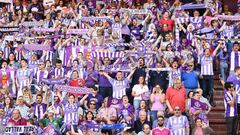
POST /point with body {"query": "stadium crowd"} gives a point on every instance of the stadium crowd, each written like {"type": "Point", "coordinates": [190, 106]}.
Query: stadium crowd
{"type": "Point", "coordinates": [142, 67]}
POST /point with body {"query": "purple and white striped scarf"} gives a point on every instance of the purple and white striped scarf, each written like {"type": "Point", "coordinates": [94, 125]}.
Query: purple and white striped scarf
{"type": "Point", "coordinates": [35, 47]}
{"type": "Point", "coordinates": [44, 29]}
{"type": "Point", "coordinates": [192, 6]}
{"type": "Point", "coordinates": [73, 90]}
{"type": "Point", "coordinates": [104, 53]}
{"type": "Point", "coordinates": [229, 17]}
{"type": "Point", "coordinates": [78, 31]}
{"type": "Point", "coordinates": [32, 23]}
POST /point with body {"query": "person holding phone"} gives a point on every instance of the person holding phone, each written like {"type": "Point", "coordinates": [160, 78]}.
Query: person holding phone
{"type": "Point", "coordinates": [157, 99]}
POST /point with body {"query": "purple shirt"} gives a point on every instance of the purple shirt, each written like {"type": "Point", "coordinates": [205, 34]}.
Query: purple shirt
{"type": "Point", "coordinates": [103, 81]}
{"type": "Point", "coordinates": [89, 80]}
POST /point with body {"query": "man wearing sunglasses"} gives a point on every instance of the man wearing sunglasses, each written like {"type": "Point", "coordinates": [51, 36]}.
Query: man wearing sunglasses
{"type": "Point", "coordinates": [178, 123]}
{"type": "Point", "coordinates": [230, 104]}
{"type": "Point", "coordinates": [190, 78]}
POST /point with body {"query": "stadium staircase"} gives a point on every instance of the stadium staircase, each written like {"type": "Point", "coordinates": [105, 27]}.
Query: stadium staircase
{"type": "Point", "coordinates": [216, 115]}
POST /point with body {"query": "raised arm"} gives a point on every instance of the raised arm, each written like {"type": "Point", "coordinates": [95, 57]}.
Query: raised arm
{"type": "Point", "coordinates": [106, 75]}
{"type": "Point", "coordinates": [181, 26]}
{"type": "Point", "coordinates": [216, 50]}
{"type": "Point", "coordinates": [131, 74]}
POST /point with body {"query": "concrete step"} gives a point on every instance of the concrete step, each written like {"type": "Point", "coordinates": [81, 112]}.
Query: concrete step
{"type": "Point", "coordinates": [216, 121]}
{"type": "Point", "coordinates": [215, 115]}
{"type": "Point", "coordinates": [219, 127]}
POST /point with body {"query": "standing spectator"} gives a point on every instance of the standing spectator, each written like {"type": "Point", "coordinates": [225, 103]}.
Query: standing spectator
{"type": "Point", "coordinates": [38, 107]}
{"type": "Point", "coordinates": [178, 124]}
{"type": "Point", "coordinates": [157, 99]}
{"type": "Point", "coordinates": [166, 20]}
{"type": "Point", "coordinates": [234, 57]}
{"type": "Point", "coordinates": [36, 8]}
{"type": "Point", "coordinates": [105, 88]}
{"type": "Point", "coordinates": [234, 78]}
{"type": "Point", "coordinates": [230, 104]}
{"type": "Point", "coordinates": [90, 76]}
{"type": "Point", "coordinates": [24, 77]}
{"type": "Point", "coordinates": [140, 71]}
{"type": "Point", "coordinates": [176, 96]}
{"type": "Point", "coordinates": [58, 71]}
{"type": "Point", "coordinates": [119, 84]}
{"type": "Point", "coordinates": [161, 129]}
{"type": "Point", "coordinates": [206, 60]}
{"type": "Point", "coordinates": [190, 78]}
{"type": "Point", "coordinates": [158, 78]}
{"type": "Point", "coordinates": [138, 90]}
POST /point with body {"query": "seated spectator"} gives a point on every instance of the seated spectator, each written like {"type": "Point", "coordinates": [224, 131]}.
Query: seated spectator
{"type": "Point", "coordinates": [138, 124]}
{"type": "Point", "coordinates": [201, 128]}
{"type": "Point", "coordinates": [16, 119]}
{"type": "Point", "coordinates": [107, 114]}
{"type": "Point", "coordinates": [3, 117]}
{"type": "Point", "coordinates": [143, 107]}
{"type": "Point", "coordinates": [146, 130]}
{"type": "Point", "coordinates": [126, 110]}
{"type": "Point", "coordinates": [160, 129]}
{"type": "Point", "coordinates": [22, 108]}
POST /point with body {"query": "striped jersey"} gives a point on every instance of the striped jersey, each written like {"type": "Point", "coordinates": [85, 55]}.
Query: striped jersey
{"type": "Point", "coordinates": [119, 87]}
{"type": "Point", "coordinates": [234, 60]}
{"type": "Point", "coordinates": [178, 125]}
{"type": "Point", "coordinates": [229, 110]}
{"type": "Point", "coordinates": [206, 65]}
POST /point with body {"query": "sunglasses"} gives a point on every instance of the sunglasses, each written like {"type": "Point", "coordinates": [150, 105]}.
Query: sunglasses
{"type": "Point", "coordinates": [92, 104]}
{"type": "Point", "coordinates": [176, 109]}
{"type": "Point", "coordinates": [190, 65]}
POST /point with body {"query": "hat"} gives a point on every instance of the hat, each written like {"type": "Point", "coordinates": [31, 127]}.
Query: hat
{"type": "Point", "coordinates": [236, 43]}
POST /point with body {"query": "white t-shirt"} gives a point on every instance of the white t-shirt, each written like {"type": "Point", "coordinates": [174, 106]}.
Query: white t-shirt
{"type": "Point", "coordinates": [139, 90]}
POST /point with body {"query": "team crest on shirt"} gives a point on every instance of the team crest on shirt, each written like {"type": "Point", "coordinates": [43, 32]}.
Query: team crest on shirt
{"type": "Point", "coordinates": [197, 104]}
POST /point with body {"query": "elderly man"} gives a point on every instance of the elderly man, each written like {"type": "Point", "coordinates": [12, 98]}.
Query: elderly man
{"type": "Point", "coordinates": [16, 119]}
{"type": "Point", "coordinates": [145, 130]}
{"type": "Point", "coordinates": [178, 124]}
{"type": "Point", "coordinates": [176, 96]}
{"type": "Point", "coordinates": [22, 107]}
{"type": "Point", "coordinates": [138, 124]}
